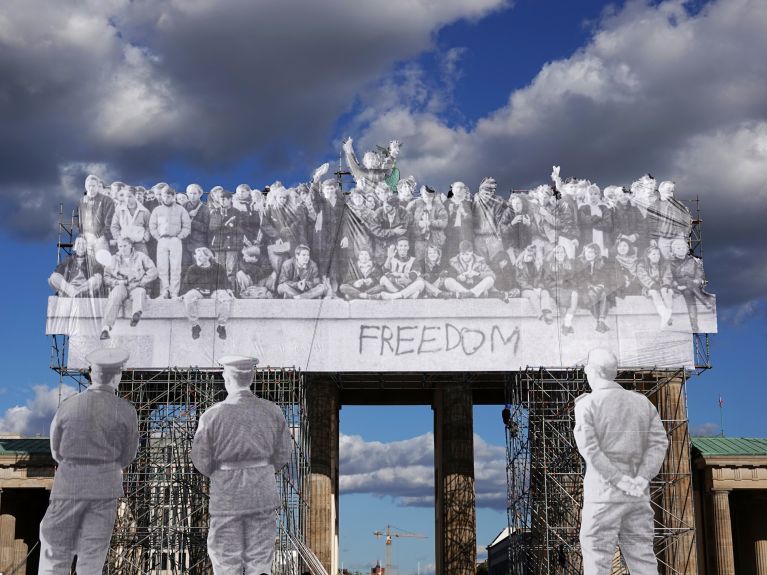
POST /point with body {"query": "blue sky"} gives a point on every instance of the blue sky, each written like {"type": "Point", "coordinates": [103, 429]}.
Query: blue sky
{"type": "Point", "coordinates": [472, 88]}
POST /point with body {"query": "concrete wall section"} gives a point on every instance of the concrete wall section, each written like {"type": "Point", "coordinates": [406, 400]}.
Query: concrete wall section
{"type": "Point", "coordinates": [414, 335]}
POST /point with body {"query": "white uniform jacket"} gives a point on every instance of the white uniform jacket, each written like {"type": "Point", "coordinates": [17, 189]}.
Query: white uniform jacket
{"type": "Point", "coordinates": [240, 443]}
{"type": "Point", "coordinates": [94, 435]}
{"type": "Point", "coordinates": [618, 432]}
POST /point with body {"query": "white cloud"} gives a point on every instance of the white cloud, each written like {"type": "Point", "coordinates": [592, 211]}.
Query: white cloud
{"type": "Point", "coordinates": [657, 88]}
{"type": "Point", "coordinates": [705, 429]}
{"type": "Point", "coordinates": [138, 85]}
{"type": "Point", "coordinates": [34, 418]}
{"type": "Point", "coordinates": [404, 470]}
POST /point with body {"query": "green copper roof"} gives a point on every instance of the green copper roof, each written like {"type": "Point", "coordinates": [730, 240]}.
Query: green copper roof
{"type": "Point", "coordinates": [25, 446]}
{"type": "Point", "coordinates": [730, 446]}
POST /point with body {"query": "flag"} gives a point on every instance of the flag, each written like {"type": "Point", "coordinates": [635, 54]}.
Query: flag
{"type": "Point", "coordinates": [721, 402]}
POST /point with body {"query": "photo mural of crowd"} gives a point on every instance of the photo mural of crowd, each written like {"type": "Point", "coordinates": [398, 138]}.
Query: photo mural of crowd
{"type": "Point", "coordinates": [562, 246]}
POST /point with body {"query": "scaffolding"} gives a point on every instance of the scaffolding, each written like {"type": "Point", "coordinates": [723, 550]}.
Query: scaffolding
{"type": "Point", "coordinates": [545, 471]}
{"type": "Point", "coordinates": [162, 520]}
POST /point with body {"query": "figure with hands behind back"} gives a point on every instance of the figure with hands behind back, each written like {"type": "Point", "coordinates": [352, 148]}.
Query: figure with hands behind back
{"type": "Point", "coordinates": [621, 437]}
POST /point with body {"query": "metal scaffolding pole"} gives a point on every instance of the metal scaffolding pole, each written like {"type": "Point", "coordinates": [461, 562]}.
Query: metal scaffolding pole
{"type": "Point", "coordinates": [545, 472]}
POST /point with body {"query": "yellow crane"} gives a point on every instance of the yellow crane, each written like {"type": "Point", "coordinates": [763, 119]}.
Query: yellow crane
{"type": "Point", "coordinates": [389, 533]}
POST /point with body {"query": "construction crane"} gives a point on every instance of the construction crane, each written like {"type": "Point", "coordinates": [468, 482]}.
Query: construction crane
{"type": "Point", "coordinates": [389, 533]}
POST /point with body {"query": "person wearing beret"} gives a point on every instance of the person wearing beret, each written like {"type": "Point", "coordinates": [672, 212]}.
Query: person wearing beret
{"type": "Point", "coordinates": [94, 435]}
{"type": "Point", "coordinates": [240, 444]}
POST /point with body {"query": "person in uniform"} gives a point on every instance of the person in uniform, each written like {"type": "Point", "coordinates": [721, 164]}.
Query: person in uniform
{"type": "Point", "coordinates": [240, 444]}
{"type": "Point", "coordinates": [94, 435]}
{"type": "Point", "coordinates": [621, 437]}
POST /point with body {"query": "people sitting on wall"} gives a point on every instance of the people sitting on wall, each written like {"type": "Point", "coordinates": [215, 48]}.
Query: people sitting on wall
{"type": "Point", "coordinates": [433, 273]}
{"type": "Point", "coordinates": [529, 280]}
{"type": "Point", "coordinates": [400, 279]}
{"type": "Point", "coordinates": [626, 262]}
{"type": "Point", "coordinates": [254, 278]}
{"type": "Point", "coordinates": [363, 278]}
{"type": "Point", "coordinates": [127, 277]}
{"type": "Point", "coordinates": [470, 275]}
{"type": "Point", "coordinates": [206, 279]}
{"type": "Point", "coordinates": [78, 275]}
{"type": "Point", "coordinates": [657, 280]}
{"type": "Point", "coordinates": [561, 280]}
{"type": "Point", "coordinates": [342, 230]}
{"type": "Point", "coordinates": [299, 277]}
{"type": "Point", "coordinates": [689, 280]}
{"type": "Point", "coordinates": [594, 284]}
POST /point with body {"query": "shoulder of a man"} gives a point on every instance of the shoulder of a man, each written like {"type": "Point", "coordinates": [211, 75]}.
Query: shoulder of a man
{"type": "Point", "coordinates": [213, 413]}
{"type": "Point", "coordinates": [582, 402]}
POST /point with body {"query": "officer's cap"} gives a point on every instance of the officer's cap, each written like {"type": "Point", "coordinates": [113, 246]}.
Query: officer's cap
{"type": "Point", "coordinates": [108, 359]}
{"type": "Point", "coordinates": [241, 363]}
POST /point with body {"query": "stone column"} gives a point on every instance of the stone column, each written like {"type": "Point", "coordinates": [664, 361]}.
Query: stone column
{"type": "Point", "coordinates": [725, 560]}
{"type": "Point", "coordinates": [20, 555]}
{"type": "Point", "coordinates": [455, 534]}
{"type": "Point", "coordinates": [681, 554]}
{"type": "Point", "coordinates": [760, 551]}
{"type": "Point", "coordinates": [7, 539]}
{"type": "Point", "coordinates": [323, 405]}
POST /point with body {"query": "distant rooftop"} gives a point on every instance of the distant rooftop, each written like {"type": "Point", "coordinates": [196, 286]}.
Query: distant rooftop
{"type": "Point", "coordinates": [25, 445]}
{"type": "Point", "coordinates": [730, 446]}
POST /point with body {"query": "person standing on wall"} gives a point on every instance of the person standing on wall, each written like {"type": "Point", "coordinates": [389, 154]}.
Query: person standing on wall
{"type": "Point", "coordinates": [169, 224]}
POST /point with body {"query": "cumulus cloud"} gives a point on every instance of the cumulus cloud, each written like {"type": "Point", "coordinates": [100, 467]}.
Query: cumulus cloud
{"type": "Point", "coordinates": [404, 470]}
{"type": "Point", "coordinates": [138, 85]}
{"type": "Point", "coordinates": [708, 429]}
{"type": "Point", "coordinates": [34, 418]}
{"type": "Point", "coordinates": [657, 88]}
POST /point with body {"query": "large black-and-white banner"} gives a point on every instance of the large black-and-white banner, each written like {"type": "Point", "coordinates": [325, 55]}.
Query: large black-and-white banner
{"type": "Point", "coordinates": [391, 276]}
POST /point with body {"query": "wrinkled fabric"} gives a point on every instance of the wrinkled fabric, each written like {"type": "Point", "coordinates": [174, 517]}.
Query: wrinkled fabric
{"type": "Point", "coordinates": [243, 428]}
{"type": "Point", "coordinates": [630, 525]}
{"type": "Point", "coordinates": [94, 434]}
{"type": "Point", "coordinates": [81, 528]}
{"type": "Point", "coordinates": [618, 432]}
{"type": "Point", "coordinates": [242, 542]}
